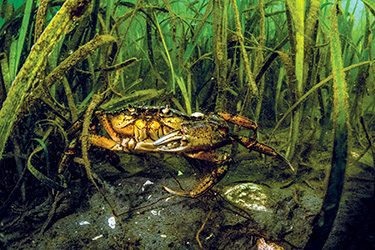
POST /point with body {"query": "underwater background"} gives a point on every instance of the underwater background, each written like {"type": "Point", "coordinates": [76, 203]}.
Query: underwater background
{"type": "Point", "coordinates": [300, 176]}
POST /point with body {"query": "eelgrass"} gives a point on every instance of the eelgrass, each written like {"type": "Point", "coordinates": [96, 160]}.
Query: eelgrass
{"type": "Point", "coordinates": [41, 16]}
{"type": "Point", "coordinates": [297, 16]}
{"type": "Point", "coordinates": [29, 75]}
{"type": "Point", "coordinates": [22, 35]}
{"type": "Point", "coordinates": [220, 50]}
{"type": "Point", "coordinates": [325, 219]}
{"type": "Point", "coordinates": [370, 5]}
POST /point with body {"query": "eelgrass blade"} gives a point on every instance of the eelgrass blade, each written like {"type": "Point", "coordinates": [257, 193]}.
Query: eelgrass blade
{"type": "Point", "coordinates": [12, 61]}
{"type": "Point", "coordinates": [198, 32]}
{"type": "Point", "coordinates": [7, 76]}
{"type": "Point", "coordinates": [167, 54]}
{"type": "Point", "coordinates": [297, 14]}
{"type": "Point", "coordinates": [370, 4]}
{"type": "Point", "coordinates": [3, 92]}
{"type": "Point", "coordinates": [133, 98]}
{"type": "Point", "coordinates": [220, 50]}
{"type": "Point", "coordinates": [108, 14]}
{"type": "Point", "coordinates": [40, 18]}
{"type": "Point", "coordinates": [185, 94]}
{"type": "Point", "coordinates": [324, 220]}
{"type": "Point", "coordinates": [23, 32]}
{"type": "Point", "coordinates": [278, 90]}
{"type": "Point", "coordinates": [260, 56]}
{"type": "Point", "coordinates": [310, 38]}
{"type": "Point", "coordinates": [253, 88]}
{"type": "Point", "coordinates": [36, 173]}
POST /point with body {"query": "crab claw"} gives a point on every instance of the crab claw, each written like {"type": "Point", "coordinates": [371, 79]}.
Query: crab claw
{"type": "Point", "coordinates": [194, 136]}
{"type": "Point", "coordinates": [173, 136]}
{"type": "Point", "coordinates": [253, 144]}
{"type": "Point", "coordinates": [173, 142]}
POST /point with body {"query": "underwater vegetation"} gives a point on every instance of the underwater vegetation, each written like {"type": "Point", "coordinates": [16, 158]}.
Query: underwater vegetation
{"type": "Point", "coordinates": [174, 77]}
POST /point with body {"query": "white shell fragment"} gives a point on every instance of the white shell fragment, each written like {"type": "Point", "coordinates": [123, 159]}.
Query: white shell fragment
{"type": "Point", "coordinates": [148, 182]}
{"type": "Point", "coordinates": [112, 222]}
{"type": "Point", "coordinates": [97, 237]}
{"type": "Point", "coordinates": [84, 222]}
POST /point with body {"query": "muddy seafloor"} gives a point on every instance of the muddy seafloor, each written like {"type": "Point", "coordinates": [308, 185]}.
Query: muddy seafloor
{"type": "Point", "coordinates": [257, 198]}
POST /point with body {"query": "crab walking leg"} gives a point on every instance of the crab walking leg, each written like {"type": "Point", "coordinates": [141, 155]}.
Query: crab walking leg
{"type": "Point", "coordinates": [253, 144]}
{"type": "Point", "coordinates": [105, 142]}
{"type": "Point", "coordinates": [240, 121]}
{"type": "Point", "coordinates": [210, 156]}
{"type": "Point", "coordinates": [103, 119]}
{"type": "Point", "coordinates": [207, 182]}
{"type": "Point", "coordinates": [204, 184]}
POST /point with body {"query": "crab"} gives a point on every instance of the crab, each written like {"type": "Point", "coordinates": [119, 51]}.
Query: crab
{"type": "Point", "coordinates": [164, 130]}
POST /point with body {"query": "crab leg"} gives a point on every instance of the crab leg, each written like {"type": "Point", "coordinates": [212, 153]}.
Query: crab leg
{"type": "Point", "coordinates": [210, 156]}
{"type": "Point", "coordinates": [253, 144]}
{"type": "Point", "coordinates": [207, 182]}
{"type": "Point", "coordinates": [104, 142]}
{"type": "Point", "coordinates": [204, 184]}
{"type": "Point", "coordinates": [240, 121]}
{"type": "Point", "coordinates": [103, 119]}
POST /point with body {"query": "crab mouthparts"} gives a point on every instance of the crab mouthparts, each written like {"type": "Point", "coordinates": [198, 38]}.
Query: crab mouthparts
{"type": "Point", "coordinates": [172, 142]}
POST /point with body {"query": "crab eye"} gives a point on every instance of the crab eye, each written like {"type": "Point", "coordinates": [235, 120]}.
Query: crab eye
{"type": "Point", "coordinates": [166, 110]}
{"type": "Point", "coordinates": [131, 109]}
